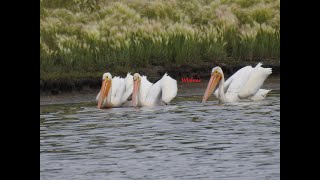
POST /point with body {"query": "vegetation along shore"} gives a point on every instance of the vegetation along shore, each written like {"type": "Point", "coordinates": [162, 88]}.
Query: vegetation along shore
{"type": "Point", "coordinates": [80, 39]}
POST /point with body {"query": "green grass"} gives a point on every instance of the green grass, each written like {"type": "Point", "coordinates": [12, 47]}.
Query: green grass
{"type": "Point", "coordinates": [82, 38]}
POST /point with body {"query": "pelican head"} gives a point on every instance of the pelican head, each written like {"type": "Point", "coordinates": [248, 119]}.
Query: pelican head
{"type": "Point", "coordinates": [105, 75]}
{"type": "Point", "coordinates": [216, 76]}
{"type": "Point", "coordinates": [136, 86]}
{"type": "Point", "coordinates": [105, 87]}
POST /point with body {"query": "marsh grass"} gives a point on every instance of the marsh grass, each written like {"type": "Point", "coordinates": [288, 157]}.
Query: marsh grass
{"type": "Point", "coordinates": [81, 38]}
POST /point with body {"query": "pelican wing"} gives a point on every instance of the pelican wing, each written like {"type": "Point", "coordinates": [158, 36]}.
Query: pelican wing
{"type": "Point", "coordinates": [129, 83]}
{"type": "Point", "coordinates": [117, 90]}
{"type": "Point", "coordinates": [239, 79]}
{"type": "Point", "coordinates": [144, 91]}
{"type": "Point", "coordinates": [260, 95]}
{"type": "Point", "coordinates": [128, 87]}
{"type": "Point", "coordinates": [236, 76]}
{"type": "Point", "coordinates": [169, 88]}
{"type": "Point", "coordinates": [254, 81]}
{"type": "Point", "coordinates": [163, 90]}
{"type": "Point", "coordinates": [154, 94]}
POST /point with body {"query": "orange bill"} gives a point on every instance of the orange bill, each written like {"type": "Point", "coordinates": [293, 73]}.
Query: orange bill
{"type": "Point", "coordinates": [136, 86]}
{"type": "Point", "coordinates": [106, 84]}
{"type": "Point", "coordinates": [213, 82]}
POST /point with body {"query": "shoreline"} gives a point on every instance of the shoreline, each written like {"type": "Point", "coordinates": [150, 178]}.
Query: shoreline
{"type": "Point", "coordinates": [88, 95]}
{"type": "Point", "coordinates": [154, 73]}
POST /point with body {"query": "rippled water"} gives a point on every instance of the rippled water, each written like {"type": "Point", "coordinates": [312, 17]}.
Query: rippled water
{"type": "Point", "coordinates": [183, 140]}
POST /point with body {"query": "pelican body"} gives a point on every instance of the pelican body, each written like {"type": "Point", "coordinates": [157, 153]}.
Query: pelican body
{"type": "Point", "coordinates": [146, 93]}
{"type": "Point", "coordinates": [244, 84]}
{"type": "Point", "coordinates": [114, 91]}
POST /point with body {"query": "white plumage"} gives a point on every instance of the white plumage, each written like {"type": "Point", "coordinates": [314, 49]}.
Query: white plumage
{"type": "Point", "coordinates": [119, 91]}
{"type": "Point", "coordinates": [244, 84]}
{"type": "Point", "coordinates": [146, 93]}
{"type": "Point", "coordinates": [260, 95]}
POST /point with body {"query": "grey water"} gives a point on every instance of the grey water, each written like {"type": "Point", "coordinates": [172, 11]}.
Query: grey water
{"type": "Point", "coordinates": [183, 140]}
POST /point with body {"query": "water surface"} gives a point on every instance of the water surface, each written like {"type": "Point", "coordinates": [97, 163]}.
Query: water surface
{"type": "Point", "coordinates": [183, 140]}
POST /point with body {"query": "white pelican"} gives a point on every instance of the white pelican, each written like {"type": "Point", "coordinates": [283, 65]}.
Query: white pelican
{"type": "Point", "coordinates": [244, 84]}
{"type": "Point", "coordinates": [146, 93]}
{"type": "Point", "coordinates": [114, 91]}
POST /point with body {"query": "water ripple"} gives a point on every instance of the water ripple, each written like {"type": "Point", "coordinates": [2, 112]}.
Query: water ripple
{"type": "Point", "coordinates": [183, 140]}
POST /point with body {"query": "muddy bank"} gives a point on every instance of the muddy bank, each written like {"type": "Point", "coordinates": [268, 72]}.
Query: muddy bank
{"type": "Point", "coordinates": [154, 73]}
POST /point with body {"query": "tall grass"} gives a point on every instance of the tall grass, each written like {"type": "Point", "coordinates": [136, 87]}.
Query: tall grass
{"type": "Point", "coordinates": [90, 36]}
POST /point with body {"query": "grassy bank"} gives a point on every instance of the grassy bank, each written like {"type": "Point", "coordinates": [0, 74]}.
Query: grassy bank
{"type": "Point", "coordinates": [82, 39]}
